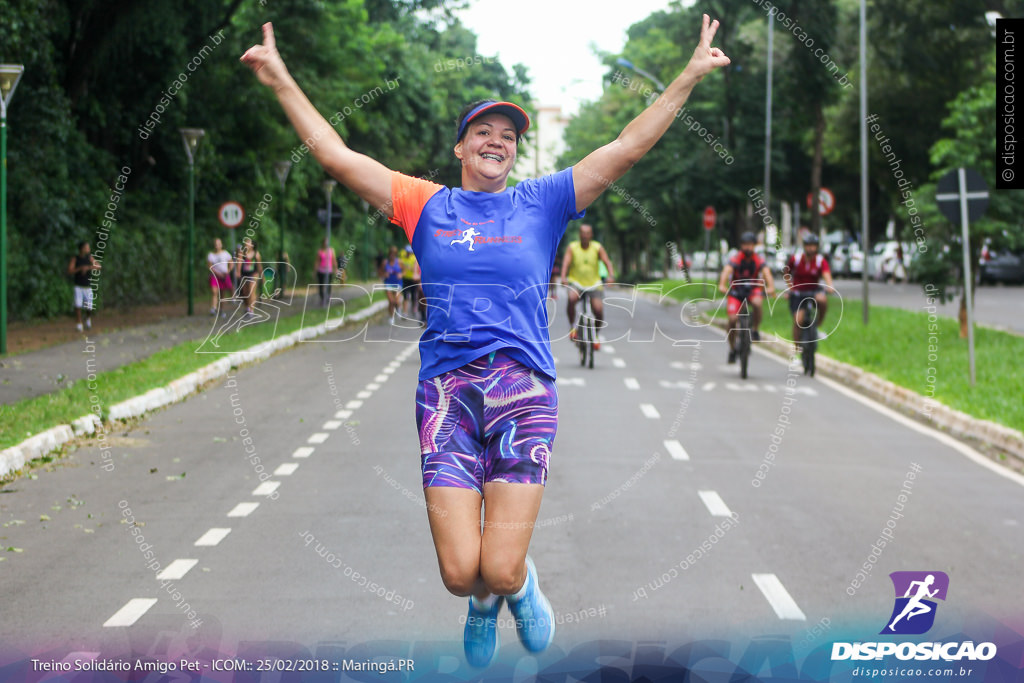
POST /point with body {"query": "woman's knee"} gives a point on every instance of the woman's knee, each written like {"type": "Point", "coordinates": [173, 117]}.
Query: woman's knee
{"type": "Point", "coordinates": [503, 576]}
{"type": "Point", "coordinates": [460, 577]}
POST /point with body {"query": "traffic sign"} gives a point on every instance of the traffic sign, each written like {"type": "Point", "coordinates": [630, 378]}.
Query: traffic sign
{"type": "Point", "coordinates": [709, 218]}
{"type": "Point", "coordinates": [231, 214]}
{"type": "Point", "coordinates": [962, 196]}
{"type": "Point", "coordinates": [826, 201]}
{"type": "Point", "coordinates": [975, 191]}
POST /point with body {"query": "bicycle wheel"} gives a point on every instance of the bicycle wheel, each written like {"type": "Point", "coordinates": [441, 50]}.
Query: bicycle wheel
{"type": "Point", "coordinates": [809, 338]}
{"type": "Point", "coordinates": [590, 342]}
{"type": "Point", "coordinates": [743, 342]}
{"type": "Point", "coordinates": [581, 343]}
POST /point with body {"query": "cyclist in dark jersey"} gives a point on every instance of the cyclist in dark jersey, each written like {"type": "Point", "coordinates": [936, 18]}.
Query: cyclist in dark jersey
{"type": "Point", "coordinates": [802, 273]}
{"type": "Point", "coordinates": [486, 400]}
{"type": "Point", "coordinates": [742, 278]}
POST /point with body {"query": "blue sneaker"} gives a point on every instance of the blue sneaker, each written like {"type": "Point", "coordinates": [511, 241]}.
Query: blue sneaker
{"type": "Point", "coordinates": [480, 639]}
{"type": "Point", "coordinates": [535, 622]}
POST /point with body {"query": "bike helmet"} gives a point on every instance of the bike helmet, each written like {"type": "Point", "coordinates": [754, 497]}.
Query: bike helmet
{"type": "Point", "coordinates": [748, 237]}
{"type": "Point", "coordinates": [811, 239]}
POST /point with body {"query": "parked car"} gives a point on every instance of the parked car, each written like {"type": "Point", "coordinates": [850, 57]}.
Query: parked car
{"type": "Point", "coordinates": [702, 260]}
{"type": "Point", "coordinates": [885, 263]}
{"type": "Point", "coordinates": [1000, 265]}
{"type": "Point", "coordinates": [846, 260]}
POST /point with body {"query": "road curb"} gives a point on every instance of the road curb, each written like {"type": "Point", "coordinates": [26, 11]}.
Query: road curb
{"type": "Point", "coordinates": [937, 414]}
{"type": "Point", "coordinates": [38, 445]}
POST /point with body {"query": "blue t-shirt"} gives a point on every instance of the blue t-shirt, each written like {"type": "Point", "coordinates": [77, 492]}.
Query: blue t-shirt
{"type": "Point", "coordinates": [486, 261]}
{"type": "Point", "coordinates": [392, 273]}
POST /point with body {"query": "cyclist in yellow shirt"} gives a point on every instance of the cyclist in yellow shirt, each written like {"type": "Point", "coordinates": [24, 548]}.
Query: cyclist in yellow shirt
{"type": "Point", "coordinates": [580, 270]}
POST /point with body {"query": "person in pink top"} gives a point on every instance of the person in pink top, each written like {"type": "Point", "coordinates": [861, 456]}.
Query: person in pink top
{"type": "Point", "coordinates": [324, 270]}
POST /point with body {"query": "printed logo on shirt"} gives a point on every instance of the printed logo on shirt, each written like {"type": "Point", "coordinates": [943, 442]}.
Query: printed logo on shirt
{"type": "Point", "coordinates": [470, 236]}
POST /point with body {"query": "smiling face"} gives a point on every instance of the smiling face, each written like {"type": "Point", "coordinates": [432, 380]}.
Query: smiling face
{"type": "Point", "coordinates": [487, 151]}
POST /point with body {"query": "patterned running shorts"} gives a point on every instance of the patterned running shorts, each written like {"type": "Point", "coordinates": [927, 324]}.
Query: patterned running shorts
{"type": "Point", "coordinates": [491, 420]}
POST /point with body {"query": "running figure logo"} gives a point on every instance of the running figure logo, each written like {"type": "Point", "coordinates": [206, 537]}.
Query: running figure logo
{"type": "Point", "coordinates": [467, 236]}
{"type": "Point", "coordinates": [914, 613]}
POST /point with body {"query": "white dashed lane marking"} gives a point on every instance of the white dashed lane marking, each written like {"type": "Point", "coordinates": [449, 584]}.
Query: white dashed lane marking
{"type": "Point", "coordinates": [778, 597]}
{"type": "Point", "coordinates": [354, 405]}
{"type": "Point", "coordinates": [650, 411]}
{"type": "Point", "coordinates": [130, 613]}
{"type": "Point", "coordinates": [176, 570]}
{"type": "Point", "coordinates": [618, 363]}
{"type": "Point", "coordinates": [676, 450]}
{"type": "Point", "coordinates": [286, 469]}
{"type": "Point", "coordinates": [631, 383]}
{"type": "Point", "coordinates": [266, 488]}
{"type": "Point", "coordinates": [364, 394]}
{"type": "Point", "coordinates": [343, 414]}
{"type": "Point", "coordinates": [303, 452]}
{"type": "Point", "coordinates": [319, 437]}
{"type": "Point", "coordinates": [714, 503]}
{"type": "Point", "coordinates": [331, 424]}
{"type": "Point", "coordinates": [213, 536]}
{"type": "Point", "coordinates": [244, 509]}
{"type": "Point", "coordinates": [380, 378]}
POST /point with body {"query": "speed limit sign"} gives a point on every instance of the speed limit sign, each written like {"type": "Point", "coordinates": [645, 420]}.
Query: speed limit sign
{"type": "Point", "coordinates": [231, 214]}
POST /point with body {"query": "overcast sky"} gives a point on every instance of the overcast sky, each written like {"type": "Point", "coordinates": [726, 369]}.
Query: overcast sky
{"type": "Point", "coordinates": [554, 39]}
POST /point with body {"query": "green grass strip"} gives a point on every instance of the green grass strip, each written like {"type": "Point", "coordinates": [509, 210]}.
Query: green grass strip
{"type": "Point", "coordinates": [33, 415]}
{"type": "Point", "coordinates": [913, 350]}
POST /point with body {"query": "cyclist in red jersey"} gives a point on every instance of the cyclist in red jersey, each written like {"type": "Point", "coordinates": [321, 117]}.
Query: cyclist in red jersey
{"type": "Point", "coordinates": [742, 278]}
{"type": "Point", "coordinates": [802, 273]}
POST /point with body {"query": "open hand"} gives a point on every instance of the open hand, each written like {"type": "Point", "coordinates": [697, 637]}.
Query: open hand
{"type": "Point", "coordinates": [265, 61]}
{"type": "Point", "coordinates": [705, 58]}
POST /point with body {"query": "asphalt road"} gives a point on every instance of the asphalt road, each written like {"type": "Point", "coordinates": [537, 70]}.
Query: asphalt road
{"type": "Point", "coordinates": [999, 306]}
{"type": "Point", "coordinates": [656, 446]}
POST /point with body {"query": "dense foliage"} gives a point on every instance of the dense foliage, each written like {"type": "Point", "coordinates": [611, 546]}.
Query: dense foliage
{"type": "Point", "coordinates": [108, 83]}
{"type": "Point", "coordinates": [931, 69]}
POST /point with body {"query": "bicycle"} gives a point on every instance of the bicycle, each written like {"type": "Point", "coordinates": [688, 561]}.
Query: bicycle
{"type": "Point", "coordinates": [742, 343]}
{"type": "Point", "coordinates": [586, 332]}
{"type": "Point", "coordinates": [808, 334]}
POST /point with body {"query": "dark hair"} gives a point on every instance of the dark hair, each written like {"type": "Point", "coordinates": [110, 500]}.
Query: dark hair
{"type": "Point", "coordinates": [82, 243]}
{"type": "Point", "coordinates": [465, 112]}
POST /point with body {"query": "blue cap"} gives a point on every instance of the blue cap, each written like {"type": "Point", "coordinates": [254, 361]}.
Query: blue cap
{"type": "Point", "coordinates": [513, 111]}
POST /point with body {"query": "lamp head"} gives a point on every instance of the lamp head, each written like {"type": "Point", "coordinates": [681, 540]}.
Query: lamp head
{"type": "Point", "coordinates": [10, 74]}
{"type": "Point", "coordinates": [281, 169]}
{"type": "Point", "coordinates": [190, 138]}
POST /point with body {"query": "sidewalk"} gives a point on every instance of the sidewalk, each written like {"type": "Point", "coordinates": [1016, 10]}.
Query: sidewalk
{"type": "Point", "coordinates": [117, 338]}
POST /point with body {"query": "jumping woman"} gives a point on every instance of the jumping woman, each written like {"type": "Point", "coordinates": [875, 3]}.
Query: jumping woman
{"type": "Point", "coordinates": [486, 405]}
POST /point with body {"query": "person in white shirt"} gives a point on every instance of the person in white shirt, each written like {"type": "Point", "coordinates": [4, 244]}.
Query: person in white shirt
{"type": "Point", "coordinates": [220, 264]}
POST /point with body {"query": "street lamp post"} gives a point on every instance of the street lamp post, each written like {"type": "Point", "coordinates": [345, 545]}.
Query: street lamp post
{"type": "Point", "coordinates": [328, 186]}
{"type": "Point", "coordinates": [190, 138]}
{"type": "Point", "coordinates": [10, 74]}
{"type": "Point", "coordinates": [366, 251]}
{"type": "Point", "coordinates": [281, 169]}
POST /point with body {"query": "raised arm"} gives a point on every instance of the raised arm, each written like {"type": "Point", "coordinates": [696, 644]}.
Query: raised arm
{"type": "Point", "coordinates": [604, 166]}
{"type": "Point", "coordinates": [367, 177]}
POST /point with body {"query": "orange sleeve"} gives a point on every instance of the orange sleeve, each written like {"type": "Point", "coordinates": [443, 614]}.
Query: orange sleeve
{"type": "Point", "coordinates": [408, 197]}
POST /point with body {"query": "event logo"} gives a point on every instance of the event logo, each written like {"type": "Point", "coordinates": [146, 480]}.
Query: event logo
{"type": "Point", "coordinates": [914, 611]}
{"type": "Point", "coordinates": [914, 614]}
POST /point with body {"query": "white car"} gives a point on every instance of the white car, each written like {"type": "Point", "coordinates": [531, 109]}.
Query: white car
{"type": "Point", "coordinates": [846, 260]}
{"type": "Point", "coordinates": [885, 262]}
